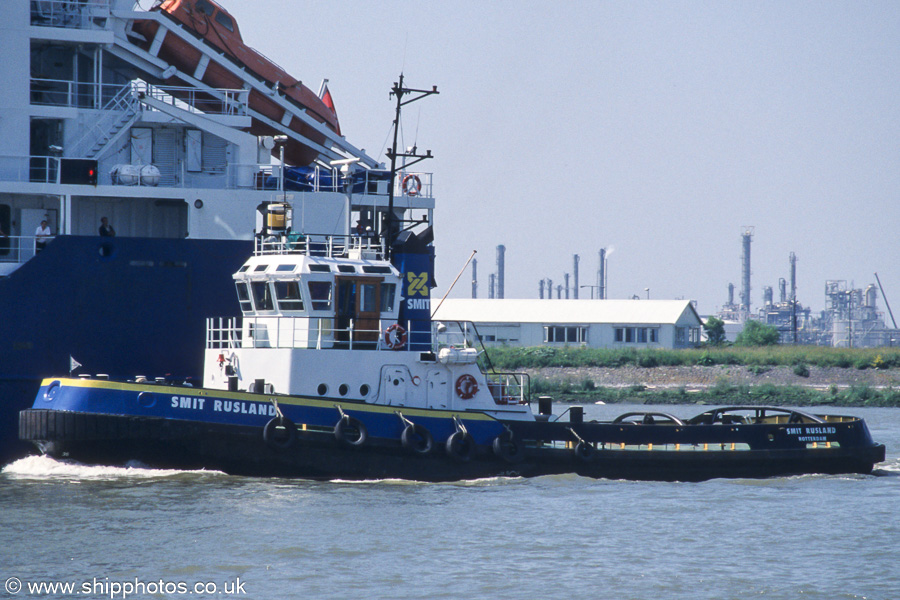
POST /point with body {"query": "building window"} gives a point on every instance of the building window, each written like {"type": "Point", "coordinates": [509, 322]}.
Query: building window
{"type": "Point", "coordinates": [565, 335]}
{"type": "Point", "coordinates": [637, 335]}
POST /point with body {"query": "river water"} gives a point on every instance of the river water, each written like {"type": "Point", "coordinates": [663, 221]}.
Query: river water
{"type": "Point", "coordinates": [133, 533]}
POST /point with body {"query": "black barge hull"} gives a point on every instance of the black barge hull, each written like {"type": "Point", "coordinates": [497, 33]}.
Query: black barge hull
{"type": "Point", "coordinates": [634, 451]}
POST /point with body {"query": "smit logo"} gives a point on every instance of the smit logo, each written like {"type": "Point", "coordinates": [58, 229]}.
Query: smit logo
{"type": "Point", "coordinates": [418, 284]}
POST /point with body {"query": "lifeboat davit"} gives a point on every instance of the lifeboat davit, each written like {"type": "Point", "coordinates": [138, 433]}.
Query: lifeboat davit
{"type": "Point", "coordinates": [214, 25]}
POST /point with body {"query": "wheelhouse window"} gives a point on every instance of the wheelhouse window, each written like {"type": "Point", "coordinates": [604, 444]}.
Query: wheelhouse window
{"type": "Point", "coordinates": [568, 335]}
{"type": "Point", "coordinates": [244, 297]}
{"type": "Point", "coordinates": [320, 295]}
{"type": "Point", "coordinates": [262, 296]}
{"type": "Point", "coordinates": [388, 294]}
{"type": "Point", "coordinates": [288, 295]}
{"type": "Point", "coordinates": [368, 300]}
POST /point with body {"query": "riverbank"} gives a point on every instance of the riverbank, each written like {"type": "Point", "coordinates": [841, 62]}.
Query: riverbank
{"type": "Point", "coordinates": [720, 384]}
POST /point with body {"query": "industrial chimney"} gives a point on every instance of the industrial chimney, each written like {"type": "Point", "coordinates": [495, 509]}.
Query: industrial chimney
{"type": "Point", "coordinates": [745, 269]}
{"type": "Point", "coordinates": [474, 277]}
{"type": "Point", "coordinates": [575, 271]}
{"type": "Point", "coordinates": [501, 251]}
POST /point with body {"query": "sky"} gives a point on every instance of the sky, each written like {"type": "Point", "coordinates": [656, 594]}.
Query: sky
{"type": "Point", "coordinates": [656, 130]}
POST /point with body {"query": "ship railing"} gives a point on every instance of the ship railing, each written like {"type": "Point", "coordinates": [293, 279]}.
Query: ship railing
{"type": "Point", "coordinates": [37, 169]}
{"type": "Point", "coordinates": [85, 14]}
{"type": "Point", "coordinates": [508, 388]}
{"type": "Point", "coordinates": [15, 250]}
{"type": "Point", "coordinates": [414, 184]}
{"type": "Point", "coordinates": [326, 246]}
{"type": "Point", "coordinates": [223, 101]}
{"type": "Point", "coordinates": [76, 94]}
{"type": "Point", "coordinates": [312, 333]}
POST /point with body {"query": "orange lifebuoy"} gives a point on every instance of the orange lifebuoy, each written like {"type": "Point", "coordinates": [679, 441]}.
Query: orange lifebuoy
{"type": "Point", "coordinates": [412, 185]}
{"type": "Point", "coordinates": [466, 387]}
{"type": "Point", "coordinates": [395, 337]}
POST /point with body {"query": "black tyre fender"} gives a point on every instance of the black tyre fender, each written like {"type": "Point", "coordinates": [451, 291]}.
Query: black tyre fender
{"type": "Point", "coordinates": [417, 439]}
{"type": "Point", "coordinates": [506, 448]}
{"type": "Point", "coordinates": [584, 451]}
{"type": "Point", "coordinates": [460, 446]}
{"type": "Point", "coordinates": [344, 431]}
{"type": "Point", "coordinates": [280, 433]}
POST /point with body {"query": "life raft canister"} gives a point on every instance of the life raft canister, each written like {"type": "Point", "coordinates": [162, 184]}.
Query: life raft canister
{"type": "Point", "coordinates": [395, 337]}
{"type": "Point", "coordinates": [466, 387]}
{"type": "Point", "coordinates": [412, 185]}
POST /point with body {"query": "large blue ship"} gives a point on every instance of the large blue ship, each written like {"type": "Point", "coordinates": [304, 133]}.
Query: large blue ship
{"type": "Point", "coordinates": [138, 118]}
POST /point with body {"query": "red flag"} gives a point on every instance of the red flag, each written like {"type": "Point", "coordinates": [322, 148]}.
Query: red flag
{"type": "Point", "coordinates": [329, 102]}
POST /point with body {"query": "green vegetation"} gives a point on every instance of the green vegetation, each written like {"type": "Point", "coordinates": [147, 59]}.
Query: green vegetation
{"type": "Point", "coordinates": [757, 334]}
{"type": "Point", "coordinates": [719, 394]}
{"type": "Point", "coordinates": [715, 331]}
{"type": "Point", "coordinates": [508, 358]}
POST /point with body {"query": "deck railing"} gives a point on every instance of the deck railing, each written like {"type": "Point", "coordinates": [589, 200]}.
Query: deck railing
{"type": "Point", "coordinates": [86, 14]}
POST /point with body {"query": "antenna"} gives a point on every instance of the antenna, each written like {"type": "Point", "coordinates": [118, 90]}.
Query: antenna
{"type": "Point", "coordinates": [400, 91]}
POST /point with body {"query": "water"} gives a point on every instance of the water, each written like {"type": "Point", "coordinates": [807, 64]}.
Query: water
{"type": "Point", "coordinates": [811, 537]}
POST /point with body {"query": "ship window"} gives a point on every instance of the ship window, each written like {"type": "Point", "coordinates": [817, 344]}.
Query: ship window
{"type": "Point", "coordinates": [244, 296]}
{"type": "Point", "coordinates": [388, 293]}
{"type": "Point", "coordinates": [204, 7]}
{"type": "Point", "coordinates": [320, 268]}
{"type": "Point", "coordinates": [376, 269]}
{"type": "Point", "coordinates": [283, 268]}
{"type": "Point", "coordinates": [260, 268]}
{"type": "Point", "coordinates": [320, 295]}
{"type": "Point", "coordinates": [346, 268]}
{"type": "Point", "coordinates": [262, 297]}
{"type": "Point", "coordinates": [367, 301]}
{"type": "Point", "coordinates": [288, 295]}
{"type": "Point", "coordinates": [244, 268]}
{"type": "Point", "coordinates": [225, 21]}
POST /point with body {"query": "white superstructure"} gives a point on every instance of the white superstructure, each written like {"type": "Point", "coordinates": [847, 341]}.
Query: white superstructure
{"type": "Point", "coordinates": [81, 101]}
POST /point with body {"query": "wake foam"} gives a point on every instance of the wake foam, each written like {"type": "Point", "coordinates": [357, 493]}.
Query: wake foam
{"type": "Point", "coordinates": [45, 467]}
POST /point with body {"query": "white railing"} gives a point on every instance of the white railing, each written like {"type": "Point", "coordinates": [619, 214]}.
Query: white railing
{"type": "Point", "coordinates": [413, 184]}
{"type": "Point", "coordinates": [78, 94]}
{"type": "Point", "coordinates": [508, 388]}
{"type": "Point", "coordinates": [316, 333]}
{"type": "Point", "coordinates": [222, 102]}
{"type": "Point", "coordinates": [85, 14]}
{"type": "Point", "coordinates": [329, 246]}
{"type": "Point", "coordinates": [16, 250]}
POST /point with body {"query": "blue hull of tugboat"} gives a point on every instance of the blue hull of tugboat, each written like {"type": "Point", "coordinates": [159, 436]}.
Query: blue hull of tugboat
{"type": "Point", "coordinates": [121, 306]}
{"type": "Point", "coordinates": [104, 422]}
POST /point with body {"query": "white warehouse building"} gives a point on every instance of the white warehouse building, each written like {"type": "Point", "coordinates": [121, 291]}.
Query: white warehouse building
{"type": "Point", "coordinates": [593, 323]}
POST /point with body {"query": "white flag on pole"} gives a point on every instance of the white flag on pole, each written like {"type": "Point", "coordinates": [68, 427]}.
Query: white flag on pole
{"type": "Point", "coordinates": [73, 364]}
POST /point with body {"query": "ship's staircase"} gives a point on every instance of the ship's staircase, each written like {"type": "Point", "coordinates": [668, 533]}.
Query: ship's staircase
{"type": "Point", "coordinates": [120, 113]}
{"type": "Point", "coordinates": [335, 146]}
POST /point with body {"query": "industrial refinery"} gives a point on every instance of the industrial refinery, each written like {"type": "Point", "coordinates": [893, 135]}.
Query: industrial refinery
{"type": "Point", "coordinates": [851, 318]}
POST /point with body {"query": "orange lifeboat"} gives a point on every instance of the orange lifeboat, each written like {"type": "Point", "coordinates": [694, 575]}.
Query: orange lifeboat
{"type": "Point", "coordinates": [214, 25]}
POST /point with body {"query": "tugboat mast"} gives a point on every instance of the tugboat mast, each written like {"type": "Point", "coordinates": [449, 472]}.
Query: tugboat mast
{"type": "Point", "coordinates": [400, 91]}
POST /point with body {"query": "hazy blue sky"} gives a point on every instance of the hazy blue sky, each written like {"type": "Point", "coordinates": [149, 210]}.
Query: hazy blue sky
{"type": "Point", "coordinates": [656, 129]}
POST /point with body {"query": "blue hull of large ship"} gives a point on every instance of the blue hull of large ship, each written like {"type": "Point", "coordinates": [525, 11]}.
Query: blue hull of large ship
{"type": "Point", "coordinates": [120, 306]}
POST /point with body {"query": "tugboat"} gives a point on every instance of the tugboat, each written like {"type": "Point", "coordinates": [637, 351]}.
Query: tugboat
{"type": "Point", "coordinates": [336, 370]}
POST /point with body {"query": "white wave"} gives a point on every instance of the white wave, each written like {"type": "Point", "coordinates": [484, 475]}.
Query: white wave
{"type": "Point", "coordinates": [45, 467]}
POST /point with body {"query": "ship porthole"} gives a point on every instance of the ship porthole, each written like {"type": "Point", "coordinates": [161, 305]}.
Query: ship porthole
{"type": "Point", "coordinates": [364, 390]}
{"type": "Point", "coordinates": [343, 389]}
{"type": "Point", "coordinates": [51, 392]}
{"type": "Point", "coordinates": [322, 389]}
